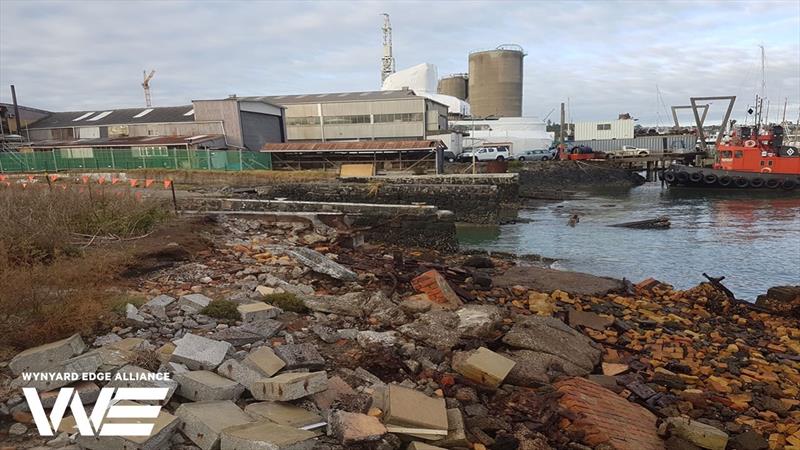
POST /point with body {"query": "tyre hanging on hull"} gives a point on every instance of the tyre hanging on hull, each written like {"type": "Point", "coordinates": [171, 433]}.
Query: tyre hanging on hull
{"type": "Point", "coordinates": [789, 184]}
{"type": "Point", "coordinates": [669, 177]}
{"type": "Point", "coordinates": [757, 182]}
{"type": "Point", "coordinates": [710, 178]}
{"type": "Point", "coordinates": [741, 182]}
{"type": "Point", "coordinates": [696, 177]}
{"type": "Point", "coordinates": [725, 180]}
{"type": "Point", "coordinates": [682, 177]}
{"type": "Point", "coordinates": [772, 183]}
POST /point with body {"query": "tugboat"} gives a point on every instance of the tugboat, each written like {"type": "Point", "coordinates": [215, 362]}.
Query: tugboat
{"type": "Point", "coordinates": [748, 160]}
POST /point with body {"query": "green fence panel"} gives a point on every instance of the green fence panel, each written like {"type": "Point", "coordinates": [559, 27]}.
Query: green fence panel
{"type": "Point", "coordinates": [99, 159]}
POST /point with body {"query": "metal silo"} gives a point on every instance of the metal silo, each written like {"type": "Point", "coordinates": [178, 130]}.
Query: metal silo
{"type": "Point", "coordinates": [495, 82]}
{"type": "Point", "coordinates": [455, 86]}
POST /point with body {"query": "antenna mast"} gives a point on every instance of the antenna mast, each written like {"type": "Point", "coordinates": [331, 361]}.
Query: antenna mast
{"type": "Point", "coordinates": [146, 86]}
{"type": "Point", "coordinates": [763, 72]}
{"type": "Point", "coordinates": [387, 61]}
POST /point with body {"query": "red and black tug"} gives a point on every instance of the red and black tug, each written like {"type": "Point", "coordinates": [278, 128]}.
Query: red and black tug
{"type": "Point", "coordinates": [748, 160]}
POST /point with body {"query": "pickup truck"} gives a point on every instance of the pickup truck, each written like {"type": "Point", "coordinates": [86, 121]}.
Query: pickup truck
{"type": "Point", "coordinates": [627, 151]}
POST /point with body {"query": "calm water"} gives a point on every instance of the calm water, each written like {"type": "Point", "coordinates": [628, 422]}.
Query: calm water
{"type": "Point", "coordinates": [754, 240]}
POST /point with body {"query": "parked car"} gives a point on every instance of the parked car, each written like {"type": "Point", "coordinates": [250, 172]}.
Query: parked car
{"type": "Point", "coordinates": [536, 155]}
{"type": "Point", "coordinates": [449, 156]}
{"type": "Point", "coordinates": [486, 154]}
{"type": "Point", "coordinates": [627, 151]}
{"type": "Point", "coordinates": [579, 152]}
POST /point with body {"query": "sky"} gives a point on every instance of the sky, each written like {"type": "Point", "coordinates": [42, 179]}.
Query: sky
{"type": "Point", "coordinates": [602, 57]}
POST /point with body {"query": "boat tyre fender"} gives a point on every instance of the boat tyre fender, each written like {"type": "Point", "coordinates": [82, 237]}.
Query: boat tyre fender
{"type": "Point", "coordinates": [695, 177]}
{"type": "Point", "coordinates": [756, 182]}
{"type": "Point", "coordinates": [789, 184]}
{"type": "Point", "coordinates": [741, 182]}
{"type": "Point", "coordinates": [669, 177]}
{"type": "Point", "coordinates": [772, 183]}
{"type": "Point", "coordinates": [725, 180]}
{"type": "Point", "coordinates": [750, 143]}
{"type": "Point", "coordinates": [710, 178]}
{"type": "Point", "coordinates": [682, 177]}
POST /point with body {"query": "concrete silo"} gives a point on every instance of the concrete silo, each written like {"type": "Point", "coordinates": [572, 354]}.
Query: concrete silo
{"type": "Point", "coordinates": [455, 86]}
{"type": "Point", "coordinates": [495, 82]}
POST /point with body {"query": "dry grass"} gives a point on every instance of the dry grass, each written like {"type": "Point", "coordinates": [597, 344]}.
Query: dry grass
{"type": "Point", "coordinates": [51, 287]}
{"type": "Point", "coordinates": [241, 178]}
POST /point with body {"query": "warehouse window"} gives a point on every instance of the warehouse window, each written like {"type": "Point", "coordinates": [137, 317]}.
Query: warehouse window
{"type": "Point", "coordinates": [346, 120]}
{"type": "Point", "coordinates": [150, 151]}
{"type": "Point", "coordinates": [603, 126]}
{"type": "Point", "coordinates": [398, 117]}
{"type": "Point", "coordinates": [302, 121]}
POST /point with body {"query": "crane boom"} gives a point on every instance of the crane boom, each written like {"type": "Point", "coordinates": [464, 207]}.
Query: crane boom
{"type": "Point", "coordinates": [146, 86]}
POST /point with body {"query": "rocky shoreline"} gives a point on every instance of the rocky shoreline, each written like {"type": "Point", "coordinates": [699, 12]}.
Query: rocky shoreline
{"type": "Point", "coordinates": [295, 335]}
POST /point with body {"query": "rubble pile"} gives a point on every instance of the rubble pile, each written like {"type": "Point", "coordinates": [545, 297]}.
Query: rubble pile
{"type": "Point", "coordinates": [385, 348]}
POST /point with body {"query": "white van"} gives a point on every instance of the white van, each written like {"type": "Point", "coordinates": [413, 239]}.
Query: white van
{"type": "Point", "coordinates": [499, 153]}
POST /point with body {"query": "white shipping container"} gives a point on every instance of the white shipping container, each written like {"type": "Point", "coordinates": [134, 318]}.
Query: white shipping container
{"type": "Point", "coordinates": [612, 129]}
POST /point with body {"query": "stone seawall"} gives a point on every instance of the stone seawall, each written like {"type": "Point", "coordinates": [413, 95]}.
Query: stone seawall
{"type": "Point", "coordinates": [535, 177]}
{"type": "Point", "coordinates": [483, 199]}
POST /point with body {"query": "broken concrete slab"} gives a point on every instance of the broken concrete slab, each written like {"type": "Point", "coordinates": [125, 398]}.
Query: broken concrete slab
{"type": "Point", "coordinates": [320, 263]}
{"type": "Point", "coordinates": [371, 338]}
{"type": "Point", "coordinates": [283, 413]}
{"type": "Point", "coordinates": [202, 385]}
{"type": "Point", "coordinates": [416, 445]}
{"type": "Point", "coordinates": [236, 336]}
{"type": "Point", "coordinates": [266, 436]}
{"type": "Point", "coordinates": [193, 303]}
{"type": "Point", "coordinates": [203, 422]}
{"type": "Point", "coordinates": [337, 388]}
{"type": "Point", "coordinates": [479, 321]}
{"type": "Point", "coordinates": [438, 290]}
{"type": "Point", "coordinates": [300, 356]}
{"type": "Point", "coordinates": [552, 336]}
{"type": "Point", "coordinates": [87, 390]}
{"type": "Point", "coordinates": [409, 408]}
{"type": "Point", "coordinates": [535, 369]}
{"type": "Point", "coordinates": [199, 353]}
{"type": "Point", "coordinates": [484, 366]}
{"type": "Point", "coordinates": [252, 312]}
{"type": "Point", "coordinates": [164, 426]}
{"type": "Point", "coordinates": [264, 360]}
{"type": "Point", "coordinates": [353, 428]}
{"type": "Point", "coordinates": [698, 433]}
{"type": "Point", "coordinates": [289, 386]}
{"type": "Point", "coordinates": [456, 430]}
{"type": "Point", "coordinates": [548, 280]}
{"type": "Point", "coordinates": [263, 328]}
{"type": "Point", "coordinates": [45, 356]}
{"type": "Point", "coordinates": [133, 317]}
{"type": "Point", "coordinates": [157, 306]}
{"type": "Point", "coordinates": [588, 319]}
{"type": "Point", "coordinates": [438, 329]}
{"type": "Point", "coordinates": [134, 376]}
{"type": "Point", "coordinates": [239, 372]}
{"type": "Point", "coordinates": [63, 372]}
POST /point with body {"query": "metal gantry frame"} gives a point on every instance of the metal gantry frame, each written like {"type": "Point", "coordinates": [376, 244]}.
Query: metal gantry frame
{"type": "Point", "coordinates": [676, 108]}
{"type": "Point", "coordinates": [700, 121]}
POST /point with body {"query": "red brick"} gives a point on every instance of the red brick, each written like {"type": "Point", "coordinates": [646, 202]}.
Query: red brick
{"type": "Point", "coordinates": [437, 288]}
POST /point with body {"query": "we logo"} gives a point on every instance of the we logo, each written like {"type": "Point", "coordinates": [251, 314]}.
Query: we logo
{"type": "Point", "coordinates": [105, 407]}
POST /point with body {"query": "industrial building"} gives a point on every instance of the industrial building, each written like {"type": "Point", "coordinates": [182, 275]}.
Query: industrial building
{"type": "Point", "coordinates": [354, 116]}
{"type": "Point", "coordinates": [8, 119]}
{"type": "Point", "coordinates": [495, 82]}
{"type": "Point", "coordinates": [233, 122]}
{"type": "Point", "coordinates": [613, 129]}
{"type": "Point", "coordinates": [456, 85]}
{"type": "Point", "coordinates": [522, 133]}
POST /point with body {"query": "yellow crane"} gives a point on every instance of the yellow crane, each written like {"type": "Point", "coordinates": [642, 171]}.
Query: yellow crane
{"type": "Point", "coordinates": [146, 86]}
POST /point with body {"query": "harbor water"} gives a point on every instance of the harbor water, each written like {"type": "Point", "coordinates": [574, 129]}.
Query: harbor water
{"type": "Point", "coordinates": [753, 239]}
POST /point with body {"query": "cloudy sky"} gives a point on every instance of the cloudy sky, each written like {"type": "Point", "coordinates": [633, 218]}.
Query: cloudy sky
{"type": "Point", "coordinates": [605, 57]}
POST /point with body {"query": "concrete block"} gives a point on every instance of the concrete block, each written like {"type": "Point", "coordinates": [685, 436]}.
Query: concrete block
{"type": "Point", "coordinates": [266, 436]}
{"type": "Point", "coordinates": [289, 386]}
{"type": "Point", "coordinates": [282, 413]}
{"type": "Point", "coordinates": [203, 422]}
{"type": "Point", "coordinates": [202, 385]}
{"type": "Point", "coordinates": [264, 328]}
{"type": "Point", "coordinates": [199, 353]}
{"type": "Point", "coordinates": [485, 367]}
{"type": "Point", "coordinates": [456, 431]}
{"type": "Point", "coordinates": [157, 306]}
{"type": "Point", "coordinates": [164, 427]}
{"type": "Point", "coordinates": [133, 317]}
{"type": "Point", "coordinates": [242, 374]}
{"type": "Point", "coordinates": [193, 303]}
{"type": "Point", "coordinates": [235, 336]}
{"type": "Point", "coordinates": [300, 356]}
{"type": "Point", "coordinates": [87, 390]}
{"type": "Point", "coordinates": [130, 372]}
{"type": "Point", "coordinates": [45, 356]}
{"type": "Point", "coordinates": [698, 433]}
{"type": "Point", "coordinates": [264, 360]}
{"type": "Point", "coordinates": [409, 408]}
{"type": "Point", "coordinates": [252, 312]}
{"type": "Point", "coordinates": [337, 387]}
{"type": "Point", "coordinates": [86, 363]}
{"type": "Point", "coordinates": [353, 428]}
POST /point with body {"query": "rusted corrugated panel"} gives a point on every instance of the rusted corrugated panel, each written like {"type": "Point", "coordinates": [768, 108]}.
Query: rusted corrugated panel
{"type": "Point", "coordinates": [129, 141]}
{"type": "Point", "coordinates": [358, 146]}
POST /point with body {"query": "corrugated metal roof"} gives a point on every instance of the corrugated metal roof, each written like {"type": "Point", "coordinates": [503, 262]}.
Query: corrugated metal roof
{"type": "Point", "coordinates": [333, 97]}
{"type": "Point", "coordinates": [114, 117]}
{"type": "Point", "coordinates": [127, 141]}
{"type": "Point", "coordinates": [357, 146]}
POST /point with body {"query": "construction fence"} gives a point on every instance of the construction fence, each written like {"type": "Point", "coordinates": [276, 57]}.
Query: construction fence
{"type": "Point", "coordinates": [88, 159]}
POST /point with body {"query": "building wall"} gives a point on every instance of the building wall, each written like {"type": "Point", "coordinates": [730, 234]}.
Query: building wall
{"type": "Point", "coordinates": [387, 119]}
{"type": "Point", "coordinates": [226, 110]}
{"type": "Point", "coordinates": [612, 129]}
